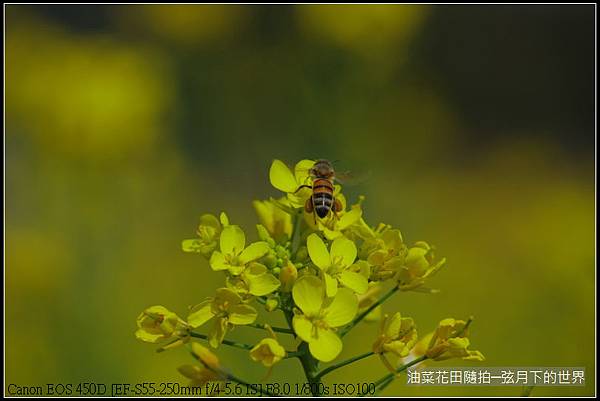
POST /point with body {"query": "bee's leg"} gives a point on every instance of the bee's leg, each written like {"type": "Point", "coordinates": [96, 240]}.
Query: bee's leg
{"type": "Point", "coordinates": [302, 186]}
{"type": "Point", "coordinates": [309, 208]}
{"type": "Point", "coordinates": [337, 207]}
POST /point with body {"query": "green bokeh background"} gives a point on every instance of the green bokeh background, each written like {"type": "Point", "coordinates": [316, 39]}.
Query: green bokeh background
{"type": "Point", "coordinates": [125, 123]}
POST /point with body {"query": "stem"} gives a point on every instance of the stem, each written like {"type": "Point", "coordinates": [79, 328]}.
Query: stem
{"type": "Point", "coordinates": [277, 329]}
{"type": "Point", "coordinates": [295, 240]}
{"type": "Point", "coordinates": [311, 367]}
{"type": "Point", "coordinates": [289, 354]}
{"type": "Point", "coordinates": [293, 354]}
{"type": "Point", "coordinates": [343, 363]}
{"type": "Point", "coordinates": [226, 342]}
{"type": "Point", "coordinates": [360, 317]}
{"type": "Point", "coordinates": [387, 379]}
{"type": "Point", "coordinates": [309, 364]}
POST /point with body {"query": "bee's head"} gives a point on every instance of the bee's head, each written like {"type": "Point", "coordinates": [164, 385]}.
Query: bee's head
{"type": "Point", "coordinates": [322, 169]}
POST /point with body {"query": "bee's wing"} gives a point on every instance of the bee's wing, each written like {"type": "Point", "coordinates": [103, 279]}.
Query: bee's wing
{"type": "Point", "coordinates": [349, 178]}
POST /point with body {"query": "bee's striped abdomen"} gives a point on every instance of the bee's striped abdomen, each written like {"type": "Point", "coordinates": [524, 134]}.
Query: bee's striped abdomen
{"type": "Point", "coordinates": [322, 197]}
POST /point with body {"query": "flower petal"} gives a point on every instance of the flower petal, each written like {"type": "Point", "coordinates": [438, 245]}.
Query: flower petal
{"type": "Point", "coordinates": [342, 309]}
{"type": "Point", "coordinates": [205, 356]}
{"type": "Point", "coordinates": [224, 219]}
{"type": "Point", "coordinates": [355, 281]}
{"type": "Point", "coordinates": [331, 234]}
{"type": "Point", "coordinates": [263, 284]}
{"type": "Point", "coordinates": [268, 351]}
{"type": "Point", "coordinates": [200, 314]}
{"type": "Point", "coordinates": [233, 240]}
{"type": "Point", "coordinates": [349, 218]}
{"type": "Point", "coordinates": [218, 262]}
{"type": "Point", "coordinates": [281, 177]}
{"type": "Point", "coordinates": [225, 298]}
{"type": "Point", "coordinates": [253, 252]}
{"type": "Point", "coordinates": [148, 337]}
{"type": "Point", "coordinates": [331, 285]}
{"type": "Point", "coordinates": [217, 332]}
{"type": "Point", "coordinates": [242, 314]}
{"type": "Point", "coordinates": [210, 221]}
{"type": "Point", "coordinates": [392, 326]}
{"type": "Point", "coordinates": [308, 294]}
{"type": "Point", "coordinates": [344, 250]}
{"type": "Point", "coordinates": [318, 251]}
{"type": "Point", "coordinates": [301, 170]}
{"type": "Point", "coordinates": [303, 327]}
{"type": "Point", "coordinates": [326, 346]}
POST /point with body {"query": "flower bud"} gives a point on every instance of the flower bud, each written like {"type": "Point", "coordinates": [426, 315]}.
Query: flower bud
{"type": "Point", "coordinates": [156, 323]}
{"type": "Point", "coordinates": [288, 276]}
{"type": "Point", "coordinates": [271, 304]}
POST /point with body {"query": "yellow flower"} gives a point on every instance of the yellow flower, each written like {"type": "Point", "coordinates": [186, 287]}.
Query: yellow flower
{"type": "Point", "coordinates": [335, 264]}
{"type": "Point", "coordinates": [418, 266]}
{"type": "Point", "coordinates": [157, 323]}
{"type": "Point", "coordinates": [277, 222]}
{"type": "Point", "coordinates": [386, 253]}
{"type": "Point", "coordinates": [233, 256]}
{"type": "Point", "coordinates": [397, 335]}
{"type": "Point", "coordinates": [254, 280]}
{"type": "Point", "coordinates": [208, 232]}
{"type": "Point", "coordinates": [316, 322]}
{"type": "Point", "coordinates": [288, 275]}
{"type": "Point", "coordinates": [268, 351]}
{"type": "Point", "coordinates": [210, 371]}
{"type": "Point", "coordinates": [450, 340]}
{"type": "Point", "coordinates": [334, 225]}
{"type": "Point", "coordinates": [283, 179]}
{"type": "Point", "coordinates": [227, 309]}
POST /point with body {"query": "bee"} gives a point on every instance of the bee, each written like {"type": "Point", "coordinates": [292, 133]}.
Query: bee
{"type": "Point", "coordinates": [322, 200]}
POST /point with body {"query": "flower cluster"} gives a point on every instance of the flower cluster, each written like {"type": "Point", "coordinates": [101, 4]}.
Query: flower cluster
{"type": "Point", "coordinates": [324, 274]}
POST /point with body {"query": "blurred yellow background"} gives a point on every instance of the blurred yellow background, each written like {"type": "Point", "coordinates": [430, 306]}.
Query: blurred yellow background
{"type": "Point", "coordinates": [125, 123]}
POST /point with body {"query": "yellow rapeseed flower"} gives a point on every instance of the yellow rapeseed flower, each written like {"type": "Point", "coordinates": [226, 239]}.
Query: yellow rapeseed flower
{"type": "Point", "coordinates": [234, 255]}
{"type": "Point", "coordinates": [283, 179]}
{"type": "Point", "coordinates": [335, 264]}
{"type": "Point", "coordinates": [418, 266]}
{"type": "Point", "coordinates": [227, 309]}
{"type": "Point", "coordinates": [397, 335]}
{"type": "Point", "coordinates": [318, 317]}
{"type": "Point", "coordinates": [157, 323]}
{"type": "Point", "coordinates": [450, 340]}
{"type": "Point", "coordinates": [208, 233]}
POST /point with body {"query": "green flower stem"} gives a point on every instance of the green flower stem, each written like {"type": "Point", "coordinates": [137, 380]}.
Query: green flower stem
{"type": "Point", "coordinates": [289, 354]}
{"type": "Point", "coordinates": [389, 378]}
{"type": "Point", "coordinates": [311, 368]}
{"type": "Point", "coordinates": [295, 240]}
{"type": "Point", "coordinates": [276, 329]}
{"type": "Point", "coordinates": [360, 317]}
{"type": "Point", "coordinates": [309, 363]}
{"type": "Point", "coordinates": [293, 354]}
{"type": "Point", "coordinates": [226, 342]}
{"type": "Point", "coordinates": [343, 363]}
